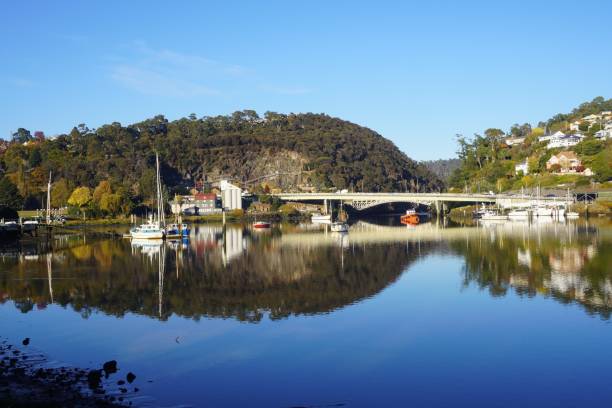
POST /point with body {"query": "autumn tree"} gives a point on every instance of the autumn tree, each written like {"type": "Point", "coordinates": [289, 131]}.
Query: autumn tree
{"type": "Point", "coordinates": [80, 198]}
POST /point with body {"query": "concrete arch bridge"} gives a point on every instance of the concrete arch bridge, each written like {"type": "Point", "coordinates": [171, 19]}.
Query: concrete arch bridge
{"type": "Point", "coordinates": [439, 201]}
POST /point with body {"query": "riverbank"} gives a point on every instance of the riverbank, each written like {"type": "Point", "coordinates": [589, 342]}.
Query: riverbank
{"type": "Point", "coordinates": [597, 208]}
{"type": "Point", "coordinates": [26, 380]}
{"type": "Point", "coordinates": [231, 216]}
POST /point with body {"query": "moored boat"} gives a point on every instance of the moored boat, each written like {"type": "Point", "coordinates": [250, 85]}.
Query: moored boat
{"type": "Point", "coordinates": [148, 230]}
{"type": "Point", "coordinates": [177, 230]}
{"type": "Point", "coordinates": [493, 216]}
{"type": "Point", "coordinates": [320, 218]}
{"type": "Point", "coordinates": [261, 224]}
{"type": "Point", "coordinates": [543, 212]}
{"type": "Point", "coordinates": [153, 229]}
{"type": "Point", "coordinates": [518, 214]}
{"type": "Point", "coordinates": [571, 214]}
{"type": "Point", "coordinates": [339, 226]}
{"type": "Point", "coordinates": [410, 218]}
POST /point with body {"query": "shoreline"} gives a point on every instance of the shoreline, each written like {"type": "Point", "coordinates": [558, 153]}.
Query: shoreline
{"type": "Point", "coordinates": [26, 380]}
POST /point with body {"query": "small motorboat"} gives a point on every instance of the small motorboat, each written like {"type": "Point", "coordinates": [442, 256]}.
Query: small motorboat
{"type": "Point", "coordinates": [493, 216]}
{"type": "Point", "coordinates": [518, 214]}
{"type": "Point", "coordinates": [339, 226]}
{"type": "Point", "coordinates": [571, 215]}
{"type": "Point", "coordinates": [261, 224]}
{"type": "Point", "coordinates": [410, 218]}
{"type": "Point", "coordinates": [543, 212]}
{"type": "Point", "coordinates": [177, 231]}
{"type": "Point", "coordinates": [29, 225]}
{"type": "Point", "coordinates": [320, 218]}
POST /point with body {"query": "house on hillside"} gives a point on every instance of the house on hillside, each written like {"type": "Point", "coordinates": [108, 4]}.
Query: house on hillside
{"type": "Point", "coordinates": [567, 162]}
{"type": "Point", "coordinates": [522, 167]}
{"type": "Point", "coordinates": [548, 138]}
{"type": "Point", "coordinates": [564, 140]}
{"type": "Point", "coordinates": [513, 141]}
{"type": "Point", "coordinates": [591, 118]}
{"type": "Point", "coordinates": [575, 126]}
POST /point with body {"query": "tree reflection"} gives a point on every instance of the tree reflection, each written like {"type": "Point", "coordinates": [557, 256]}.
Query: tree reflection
{"type": "Point", "coordinates": [231, 275]}
{"type": "Point", "coordinates": [240, 274]}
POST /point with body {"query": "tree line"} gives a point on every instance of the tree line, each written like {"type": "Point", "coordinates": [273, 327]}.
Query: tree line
{"type": "Point", "coordinates": [322, 152]}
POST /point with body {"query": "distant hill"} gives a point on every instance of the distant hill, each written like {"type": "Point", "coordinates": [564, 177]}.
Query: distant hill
{"type": "Point", "coordinates": [442, 168]}
{"type": "Point", "coordinates": [293, 152]}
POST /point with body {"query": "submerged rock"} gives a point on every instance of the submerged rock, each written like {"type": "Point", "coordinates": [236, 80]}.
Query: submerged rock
{"type": "Point", "coordinates": [130, 377]}
{"type": "Point", "coordinates": [94, 377]}
{"type": "Point", "coordinates": [110, 367]}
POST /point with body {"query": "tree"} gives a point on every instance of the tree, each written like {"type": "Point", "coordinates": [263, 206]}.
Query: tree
{"type": "Point", "coordinates": [103, 188]}
{"type": "Point", "coordinates": [60, 192]}
{"type": "Point", "coordinates": [110, 203]}
{"type": "Point", "coordinates": [9, 194]}
{"type": "Point", "coordinates": [39, 135]}
{"type": "Point", "coordinates": [22, 135]}
{"type": "Point", "coordinates": [80, 198]}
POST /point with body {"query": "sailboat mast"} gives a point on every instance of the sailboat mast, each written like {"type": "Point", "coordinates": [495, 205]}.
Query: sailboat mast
{"type": "Point", "coordinates": [49, 200]}
{"type": "Point", "coordinates": [160, 211]}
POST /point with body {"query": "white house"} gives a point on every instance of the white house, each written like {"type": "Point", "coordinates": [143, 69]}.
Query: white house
{"type": "Point", "coordinates": [605, 133]}
{"type": "Point", "coordinates": [575, 126]}
{"type": "Point", "coordinates": [522, 167]}
{"type": "Point", "coordinates": [512, 141]}
{"type": "Point", "coordinates": [547, 138]}
{"type": "Point", "coordinates": [560, 139]}
{"type": "Point", "coordinates": [591, 118]}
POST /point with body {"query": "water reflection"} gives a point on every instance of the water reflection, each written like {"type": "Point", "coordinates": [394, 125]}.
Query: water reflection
{"type": "Point", "coordinates": [292, 270]}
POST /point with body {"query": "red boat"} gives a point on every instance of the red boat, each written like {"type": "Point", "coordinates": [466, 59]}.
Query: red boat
{"type": "Point", "coordinates": [410, 218]}
{"type": "Point", "coordinates": [261, 224]}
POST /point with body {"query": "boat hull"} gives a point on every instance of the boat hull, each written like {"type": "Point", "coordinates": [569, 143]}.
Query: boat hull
{"type": "Point", "coordinates": [147, 235]}
{"type": "Point", "coordinates": [410, 219]}
{"type": "Point", "coordinates": [339, 227]}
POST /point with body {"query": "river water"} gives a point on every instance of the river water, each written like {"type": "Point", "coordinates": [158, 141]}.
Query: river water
{"type": "Point", "coordinates": [515, 314]}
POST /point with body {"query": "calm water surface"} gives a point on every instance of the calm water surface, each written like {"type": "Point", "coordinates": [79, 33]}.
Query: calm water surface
{"type": "Point", "coordinates": [496, 315]}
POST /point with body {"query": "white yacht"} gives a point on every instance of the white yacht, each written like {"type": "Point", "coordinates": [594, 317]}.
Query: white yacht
{"type": "Point", "coordinates": [518, 214]}
{"type": "Point", "coordinates": [320, 218]}
{"type": "Point", "coordinates": [149, 230]}
{"type": "Point", "coordinates": [543, 212]}
{"type": "Point", "coordinates": [339, 227]}
{"type": "Point", "coordinates": [153, 229]}
{"type": "Point", "coordinates": [493, 216]}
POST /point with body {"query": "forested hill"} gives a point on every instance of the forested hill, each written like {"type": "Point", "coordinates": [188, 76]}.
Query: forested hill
{"type": "Point", "coordinates": [306, 150]}
{"type": "Point", "coordinates": [443, 168]}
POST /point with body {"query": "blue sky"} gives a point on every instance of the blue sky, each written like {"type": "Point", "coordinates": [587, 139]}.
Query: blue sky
{"type": "Point", "coordinates": [416, 72]}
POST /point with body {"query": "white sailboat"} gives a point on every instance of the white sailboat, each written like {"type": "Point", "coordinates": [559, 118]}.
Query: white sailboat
{"type": "Point", "coordinates": [153, 229]}
{"type": "Point", "coordinates": [541, 210]}
{"type": "Point", "coordinates": [339, 226]}
{"type": "Point", "coordinates": [518, 214]}
{"type": "Point", "coordinates": [570, 214]}
{"type": "Point", "coordinates": [493, 216]}
{"type": "Point", "coordinates": [320, 218]}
